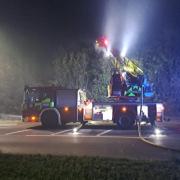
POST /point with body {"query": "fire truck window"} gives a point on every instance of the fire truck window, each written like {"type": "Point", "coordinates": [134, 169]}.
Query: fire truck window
{"type": "Point", "coordinates": [33, 96]}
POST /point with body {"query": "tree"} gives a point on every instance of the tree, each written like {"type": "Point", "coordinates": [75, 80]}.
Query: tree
{"type": "Point", "coordinates": [16, 70]}
{"type": "Point", "coordinates": [83, 68]}
{"type": "Point", "coordinates": [161, 62]}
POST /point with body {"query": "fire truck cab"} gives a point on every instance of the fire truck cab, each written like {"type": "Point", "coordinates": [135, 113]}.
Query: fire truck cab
{"type": "Point", "coordinates": [52, 106]}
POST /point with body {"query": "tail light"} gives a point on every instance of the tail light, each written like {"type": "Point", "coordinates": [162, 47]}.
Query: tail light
{"type": "Point", "coordinates": [33, 118]}
{"type": "Point", "coordinates": [66, 109]}
{"type": "Point", "coordinates": [124, 109]}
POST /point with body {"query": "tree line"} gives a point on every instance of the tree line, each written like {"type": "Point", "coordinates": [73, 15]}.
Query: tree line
{"type": "Point", "coordinates": [81, 66]}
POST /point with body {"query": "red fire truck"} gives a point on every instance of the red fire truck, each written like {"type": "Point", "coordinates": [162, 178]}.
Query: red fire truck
{"type": "Point", "coordinates": [128, 98]}
{"type": "Point", "coordinates": [55, 106]}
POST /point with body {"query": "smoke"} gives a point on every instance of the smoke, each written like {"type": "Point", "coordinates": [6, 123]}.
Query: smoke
{"type": "Point", "coordinates": [125, 22]}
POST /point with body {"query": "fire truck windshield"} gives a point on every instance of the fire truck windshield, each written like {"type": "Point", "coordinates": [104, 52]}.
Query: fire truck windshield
{"type": "Point", "coordinates": [32, 96]}
{"type": "Point", "coordinates": [36, 95]}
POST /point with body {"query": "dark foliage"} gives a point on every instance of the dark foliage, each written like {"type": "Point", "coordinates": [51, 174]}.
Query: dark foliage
{"type": "Point", "coordinates": [69, 167]}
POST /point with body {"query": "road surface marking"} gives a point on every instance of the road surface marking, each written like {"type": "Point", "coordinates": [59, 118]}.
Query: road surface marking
{"type": "Point", "coordinates": [82, 136]}
{"type": "Point", "coordinates": [28, 124]}
{"type": "Point", "coordinates": [7, 125]}
{"type": "Point", "coordinates": [40, 135]}
{"type": "Point", "coordinates": [61, 132]}
{"type": "Point", "coordinates": [104, 132]}
{"type": "Point", "coordinates": [15, 132]}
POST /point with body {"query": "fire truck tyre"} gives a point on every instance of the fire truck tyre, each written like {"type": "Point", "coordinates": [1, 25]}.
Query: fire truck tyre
{"type": "Point", "coordinates": [81, 116]}
{"type": "Point", "coordinates": [50, 118]}
{"type": "Point", "coordinates": [152, 121]}
{"type": "Point", "coordinates": [125, 122]}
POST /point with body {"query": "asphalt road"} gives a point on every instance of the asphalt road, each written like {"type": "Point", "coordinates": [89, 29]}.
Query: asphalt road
{"type": "Point", "coordinates": [91, 140]}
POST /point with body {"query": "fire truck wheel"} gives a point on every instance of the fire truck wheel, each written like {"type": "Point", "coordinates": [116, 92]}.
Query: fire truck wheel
{"type": "Point", "coordinates": [125, 122]}
{"type": "Point", "coordinates": [50, 118]}
{"type": "Point", "coordinates": [152, 121]}
{"type": "Point", "coordinates": [81, 116]}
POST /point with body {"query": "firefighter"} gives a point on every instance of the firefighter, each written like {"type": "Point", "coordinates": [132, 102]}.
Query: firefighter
{"type": "Point", "coordinates": [117, 84]}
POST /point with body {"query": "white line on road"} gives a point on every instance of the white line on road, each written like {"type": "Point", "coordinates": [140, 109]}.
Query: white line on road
{"type": "Point", "coordinates": [8, 125]}
{"type": "Point", "coordinates": [61, 132]}
{"type": "Point", "coordinates": [82, 136]}
{"type": "Point", "coordinates": [15, 132]}
{"type": "Point", "coordinates": [104, 132]}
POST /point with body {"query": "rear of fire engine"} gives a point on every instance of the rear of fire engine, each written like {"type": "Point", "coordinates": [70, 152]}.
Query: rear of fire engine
{"type": "Point", "coordinates": [130, 95]}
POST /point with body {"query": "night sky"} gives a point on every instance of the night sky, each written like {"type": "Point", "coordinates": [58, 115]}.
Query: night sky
{"type": "Point", "coordinates": [40, 26]}
{"type": "Point", "coordinates": [67, 18]}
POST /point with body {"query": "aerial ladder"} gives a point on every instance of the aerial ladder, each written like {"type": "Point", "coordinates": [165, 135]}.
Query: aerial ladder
{"type": "Point", "coordinates": [127, 87]}
{"type": "Point", "coordinates": [127, 77]}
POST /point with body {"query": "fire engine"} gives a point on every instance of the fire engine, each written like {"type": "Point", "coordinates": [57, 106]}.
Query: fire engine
{"type": "Point", "coordinates": [129, 96]}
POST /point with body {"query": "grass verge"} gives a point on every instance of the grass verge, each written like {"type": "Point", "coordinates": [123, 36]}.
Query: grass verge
{"type": "Point", "coordinates": [84, 168]}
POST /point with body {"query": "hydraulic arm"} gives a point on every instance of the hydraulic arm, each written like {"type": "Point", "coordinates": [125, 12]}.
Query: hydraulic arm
{"type": "Point", "coordinates": [127, 78]}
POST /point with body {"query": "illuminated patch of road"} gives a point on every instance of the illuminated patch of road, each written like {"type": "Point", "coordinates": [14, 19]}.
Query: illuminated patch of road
{"type": "Point", "coordinates": [85, 133]}
{"type": "Point", "coordinates": [82, 133]}
{"type": "Point", "coordinates": [78, 135]}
